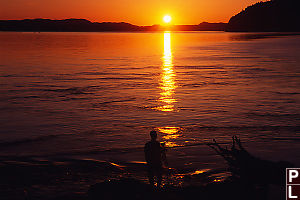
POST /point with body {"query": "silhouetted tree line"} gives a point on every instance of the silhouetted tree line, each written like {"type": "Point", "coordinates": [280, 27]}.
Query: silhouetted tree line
{"type": "Point", "coordinates": [66, 25]}
{"type": "Point", "coordinates": [269, 16]}
{"type": "Point", "coordinates": [274, 15]}
{"type": "Point", "coordinates": [83, 25]}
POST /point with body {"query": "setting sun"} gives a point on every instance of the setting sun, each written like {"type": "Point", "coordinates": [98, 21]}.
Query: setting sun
{"type": "Point", "coordinates": [173, 97]}
{"type": "Point", "coordinates": [167, 18]}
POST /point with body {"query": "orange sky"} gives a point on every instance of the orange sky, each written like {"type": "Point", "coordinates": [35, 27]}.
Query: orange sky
{"type": "Point", "coordinates": [138, 12]}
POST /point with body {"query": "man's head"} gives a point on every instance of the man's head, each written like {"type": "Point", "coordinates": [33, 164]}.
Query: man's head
{"type": "Point", "coordinates": [153, 135]}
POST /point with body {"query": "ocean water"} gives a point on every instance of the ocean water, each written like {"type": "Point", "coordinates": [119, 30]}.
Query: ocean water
{"type": "Point", "coordinates": [96, 96]}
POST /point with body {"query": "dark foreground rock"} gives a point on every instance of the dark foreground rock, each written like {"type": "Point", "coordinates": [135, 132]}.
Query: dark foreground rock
{"type": "Point", "coordinates": [137, 190]}
{"type": "Point", "coordinates": [248, 177]}
{"type": "Point", "coordinates": [251, 178]}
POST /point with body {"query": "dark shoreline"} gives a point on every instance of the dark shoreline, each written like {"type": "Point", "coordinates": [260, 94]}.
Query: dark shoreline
{"type": "Point", "coordinates": [268, 16]}
{"type": "Point", "coordinates": [86, 179]}
{"type": "Point", "coordinates": [83, 25]}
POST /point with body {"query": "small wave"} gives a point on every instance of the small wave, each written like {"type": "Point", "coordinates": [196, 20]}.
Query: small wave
{"type": "Point", "coordinates": [94, 73]}
{"type": "Point", "coordinates": [198, 67]}
{"type": "Point", "coordinates": [75, 90]}
{"type": "Point", "coordinates": [285, 138]}
{"type": "Point", "coordinates": [38, 165]}
{"type": "Point", "coordinates": [27, 140]}
{"type": "Point", "coordinates": [255, 36]}
{"type": "Point", "coordinates": [194, 85]}
{"type": "Point", "coordinates": [9, 75]}
{"type": "Point", "coordinates": [277, 115]}
{"type": "Point", "coordinates": [252, 70]}
{"type": "Point", "coordinates": [22, 75]}
{"type": "Point", "coordinates": [287, 93]}
{"type": "Point", "coordinates": [26, 97]}
{"type": "Point", "coordinates": [100, 151]}
{"type": "Point", "coordinates": [240, 128]}
{"type": "Point", "coordinates": [113, 101]}
{"type": "Point", "coordinates": [124, 78]}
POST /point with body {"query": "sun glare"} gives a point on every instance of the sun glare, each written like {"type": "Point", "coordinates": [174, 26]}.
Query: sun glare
{"type": "Point", "coordinates": [167, 18]}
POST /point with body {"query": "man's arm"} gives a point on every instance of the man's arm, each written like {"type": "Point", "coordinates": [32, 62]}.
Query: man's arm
{"type": "Point", "coordinates": [146, 152]}
{"type": "Point", "coordinates": [163, 155]}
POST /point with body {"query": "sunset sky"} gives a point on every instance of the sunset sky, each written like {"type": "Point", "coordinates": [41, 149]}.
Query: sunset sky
{"type": "Point", "coordinates": [138, 12]}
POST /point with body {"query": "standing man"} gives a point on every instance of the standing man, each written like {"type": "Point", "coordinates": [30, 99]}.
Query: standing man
{"type": "Point", "coordinates": [154, 154]}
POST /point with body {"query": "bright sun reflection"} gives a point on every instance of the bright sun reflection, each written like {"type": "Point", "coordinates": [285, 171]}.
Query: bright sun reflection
{"type": "Point", "coordinates": [167, 18]}
{"type": "Point", "coordinates": [170, 133]}
{"type": "Point", "coordinates": [167, 83]}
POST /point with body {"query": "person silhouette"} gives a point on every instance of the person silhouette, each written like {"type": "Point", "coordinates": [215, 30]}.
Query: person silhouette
{"type": "Point", "coordinates": [154, 155]}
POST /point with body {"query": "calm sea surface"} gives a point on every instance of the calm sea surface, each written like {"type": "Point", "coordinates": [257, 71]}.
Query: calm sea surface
{"type": "Point", "coordinates": [98, 95]}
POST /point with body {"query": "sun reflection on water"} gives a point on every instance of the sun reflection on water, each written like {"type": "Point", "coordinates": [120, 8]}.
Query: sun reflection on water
{"type": "Point", "coordinates": [167, 86]}
{"type": "Point", "coordinates": [167, 82]}
{"type": "Point", "coordinates": [170, 133]}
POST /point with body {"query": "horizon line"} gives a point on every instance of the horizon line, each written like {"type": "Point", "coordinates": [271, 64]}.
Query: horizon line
{"type": "Point", "coordinates": [112, 21]}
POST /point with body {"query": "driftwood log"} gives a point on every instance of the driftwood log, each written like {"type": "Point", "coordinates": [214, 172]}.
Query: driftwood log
{"type": "Point", "coordinates": [248, 168]}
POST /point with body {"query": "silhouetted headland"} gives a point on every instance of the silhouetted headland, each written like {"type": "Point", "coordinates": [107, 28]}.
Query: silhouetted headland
{"type": "Point", "coordinates": [83, 25]}
{"type": "Point", "coordinates": [270, 16]}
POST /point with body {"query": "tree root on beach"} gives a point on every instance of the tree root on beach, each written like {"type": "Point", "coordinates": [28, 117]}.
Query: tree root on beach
{"type": "Point", "coordinates": [246, 167]}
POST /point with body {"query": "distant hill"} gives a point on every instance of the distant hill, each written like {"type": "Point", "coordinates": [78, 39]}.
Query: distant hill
{"type": "Point", "coordinates": [83, 25]}
{"type": "Point", "coordinates": [269, 16]}
{"type": "Point", "coordinates": [66, 25]}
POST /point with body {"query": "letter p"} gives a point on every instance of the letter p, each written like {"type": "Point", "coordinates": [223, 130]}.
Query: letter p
{"type": "Point", "coordinates": [293, 174]}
